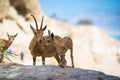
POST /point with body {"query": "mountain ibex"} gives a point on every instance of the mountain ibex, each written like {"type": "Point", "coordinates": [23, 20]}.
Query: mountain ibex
{"type": "Point", "coordinates": [62, 45]}
{"type": "Point", "coordinates": [37, 48]}
{"type": "Point", "coordinates": [5, 44]}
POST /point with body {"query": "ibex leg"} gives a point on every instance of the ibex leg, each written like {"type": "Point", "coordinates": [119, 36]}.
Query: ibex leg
{"type": "Point", "coordinates": [34, 60]}
{"type": "Point", "coordinates": [63, 60]}
{"type": "Point", "coordinates": [71, 50]}
{"type": "Point", "coordinates": [43, 60]}
{"type": "Point", "coordinates": [58, 59]}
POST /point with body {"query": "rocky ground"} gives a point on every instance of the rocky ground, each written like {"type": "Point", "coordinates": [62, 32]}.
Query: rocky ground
{"type": "Point", "coordinates": [49, 72]}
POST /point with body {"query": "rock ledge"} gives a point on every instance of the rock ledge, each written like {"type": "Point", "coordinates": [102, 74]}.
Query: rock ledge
{"type": "Point", "coordinates": [49, 72]}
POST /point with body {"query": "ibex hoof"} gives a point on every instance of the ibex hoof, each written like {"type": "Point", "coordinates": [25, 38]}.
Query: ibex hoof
{"type": "Point", "coordinates": [62, 66]}
{"type": "Point", "coordinates": [72, 66]}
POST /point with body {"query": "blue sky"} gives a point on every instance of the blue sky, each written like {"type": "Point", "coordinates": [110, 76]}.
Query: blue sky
{"type": "Point", "coordinates": [104, 13]}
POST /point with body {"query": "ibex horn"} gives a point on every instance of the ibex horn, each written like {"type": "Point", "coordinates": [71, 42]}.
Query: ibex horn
{"type": "Point", "coordinates": [35, 21]}
{"type": "Point", "coordinates": [41, 22]}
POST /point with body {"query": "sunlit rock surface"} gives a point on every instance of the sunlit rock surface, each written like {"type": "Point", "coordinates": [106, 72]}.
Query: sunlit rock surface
{"type": "Point", "coordinates": [51, 73]}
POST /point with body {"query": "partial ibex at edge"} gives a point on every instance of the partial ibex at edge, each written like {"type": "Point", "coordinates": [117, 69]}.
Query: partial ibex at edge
{"type": "Point", "coordinates": [5, 44]}
{"type": "Point", "coordinates": [37, 48]}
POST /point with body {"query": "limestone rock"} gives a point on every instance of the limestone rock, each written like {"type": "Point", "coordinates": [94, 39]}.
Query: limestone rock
{"type": "Point", "coordinates": [51, 73]}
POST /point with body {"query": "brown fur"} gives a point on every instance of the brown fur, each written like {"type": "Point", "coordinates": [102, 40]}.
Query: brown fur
{"type": "Point", "coordinates": [62, 46]}
{"type": "Point", "coordinates": [37, 48]}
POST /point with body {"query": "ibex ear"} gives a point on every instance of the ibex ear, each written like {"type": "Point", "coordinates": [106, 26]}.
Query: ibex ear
{"type": "Point", "coordinates": [49, 32]}
{"type": "Point", "coordinates": [8, 35]}
{"type": "Point", "coordinates": [44, 27]}
{"type": "Point", "coordinates": [52, 35]}
{"type": "Point", "coordinates": [15, 34]}
{"type": "Point", "coordinates": [32, 28]}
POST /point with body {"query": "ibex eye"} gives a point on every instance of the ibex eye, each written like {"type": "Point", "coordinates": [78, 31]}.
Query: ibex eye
{"type": "Point", "coordinates": [35, 33]}
{"type": "Point", "coordinates": [48, 41]}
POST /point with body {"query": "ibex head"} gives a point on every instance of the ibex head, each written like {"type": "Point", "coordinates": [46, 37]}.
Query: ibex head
{"type": "Point", "coordinates": [38, 32]}
{"type": "Point", "coordinates": [48, 39]}
{"type": "Point", "coordinates": [11, 37]}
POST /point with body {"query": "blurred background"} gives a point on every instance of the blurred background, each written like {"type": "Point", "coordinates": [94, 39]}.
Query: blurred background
{"type": "Point", "coordinates": [104, 13]}
{"type": "Point", "coordinates": [93, 26]}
